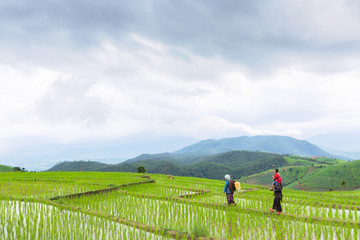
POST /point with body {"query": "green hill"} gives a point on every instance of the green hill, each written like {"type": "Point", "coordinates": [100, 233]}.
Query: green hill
{"type": "Point", "coordinates": [4, 168]}
{"type": "Point", "coordinates": [78, 166]}
{"type": "Point", "coordinates": [236, 163]}
{"type": "Point", "coordinates": [343, 176]}
{"type": "Point", "coordinates": [296, 169]}
{"type": "Point", "coordinates": [288, 176]}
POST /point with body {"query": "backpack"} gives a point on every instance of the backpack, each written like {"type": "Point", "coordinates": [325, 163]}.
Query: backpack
{"type": "Point", "coordinates": [232, 186]}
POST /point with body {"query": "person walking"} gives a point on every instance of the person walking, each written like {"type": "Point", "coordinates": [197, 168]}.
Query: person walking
{"type": "Point", "coordinates": [229, 189]}
{"type": "Point", "coordinates": [277, 195]}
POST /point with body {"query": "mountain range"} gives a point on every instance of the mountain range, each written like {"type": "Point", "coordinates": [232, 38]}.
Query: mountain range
{"type": "Point", "coordinates": [250, 159]}
{"type": "Point", "coordinates": [212, 158]}
{"type": "Point", "coordinates": [273, 144]}
{"type": "Point", "coordinates": [38, 154]}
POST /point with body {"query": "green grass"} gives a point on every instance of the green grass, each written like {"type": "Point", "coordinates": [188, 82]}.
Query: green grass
{"type": "Point", "coordinates": [305, 161]}
{"type": "Point", "coordinates": [298, 161]}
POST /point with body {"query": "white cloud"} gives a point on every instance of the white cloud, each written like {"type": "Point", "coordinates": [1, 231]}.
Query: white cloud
{"type": "Point", "coordinates": [20, 87]}
{"type": "Point", "coordinates": [185, 94]}
{"type": "Point", "coordinates": [67, 100]}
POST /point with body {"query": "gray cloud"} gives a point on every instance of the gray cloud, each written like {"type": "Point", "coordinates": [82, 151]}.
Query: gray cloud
{"type": "Point", "coordinates": [86, 16]}
{"type": "Point", "coordinates": [255, 34]}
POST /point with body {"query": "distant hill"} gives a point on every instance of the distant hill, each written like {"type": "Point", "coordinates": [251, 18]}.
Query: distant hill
{"type": "Point", "coordinates": [78, 166]}
{"type": "Point", "coordinates": [301, 173]}
{"type": "Point", "coordinates": [4, 168]}
{"type": "Point", "coordinates": [215, 158]}
{"type": "Point", "coordinates": [344, 176]}
{"type": "Point", "coordinates": [272, 144]}
{"type": "Point", "coordinates": [236, 163]}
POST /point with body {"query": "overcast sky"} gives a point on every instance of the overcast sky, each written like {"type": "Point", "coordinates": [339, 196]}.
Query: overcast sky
{"type": "Point", "coordinates": [73, 70]}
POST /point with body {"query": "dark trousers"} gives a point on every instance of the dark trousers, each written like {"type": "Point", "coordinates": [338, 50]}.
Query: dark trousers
{"type": "Point", "coordinates": [230, 198]}
{"type": "Point", "coordinates": [277, 205]}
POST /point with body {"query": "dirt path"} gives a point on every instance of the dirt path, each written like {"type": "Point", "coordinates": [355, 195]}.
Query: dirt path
{"type": "Point", "coordinates": [77, 195]}
{"type": "Point", "coordinates": [298, 184]}
{"type": "Point", "coordinates": [196, 191]}
{"type": "Point", "coordinates": [201, 192]}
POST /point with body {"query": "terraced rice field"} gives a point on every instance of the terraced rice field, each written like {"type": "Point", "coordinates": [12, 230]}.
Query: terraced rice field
{"type": "Point", "coordinates": [131, 206]}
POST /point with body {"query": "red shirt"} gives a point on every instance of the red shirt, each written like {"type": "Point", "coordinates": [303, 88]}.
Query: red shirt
{"type": "Point", "coordinates": [277, 178]}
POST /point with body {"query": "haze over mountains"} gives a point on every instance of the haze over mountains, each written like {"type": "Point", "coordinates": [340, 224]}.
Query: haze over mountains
{"type": "Point", "coordinates": [340, 143]}
{"type": "Point", "coordinates": [270, 144]}
{"type": "Point", "coordinates": [43, 155]}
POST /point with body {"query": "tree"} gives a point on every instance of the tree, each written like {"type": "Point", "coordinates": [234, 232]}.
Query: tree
{"type": "Point", "coordinates": [141, 169]}
{"type": "Point", "coordinates": [17, 169]}
{"type": "Point", "coordinates": [343, 183]}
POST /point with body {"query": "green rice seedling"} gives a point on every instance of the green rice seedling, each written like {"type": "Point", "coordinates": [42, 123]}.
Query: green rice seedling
{"type": "Point", "coordinates": [356, 234]}
{"type": "Point", "coordinates": [343, 212]}
{"type": "Point", "coordinates": [337, 211]}
{"type": "Point", "coordinates": [199, 230]}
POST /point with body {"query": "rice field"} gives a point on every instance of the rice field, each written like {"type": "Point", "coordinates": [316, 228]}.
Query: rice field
{"type": "Point", "coordinates": [66, 205]}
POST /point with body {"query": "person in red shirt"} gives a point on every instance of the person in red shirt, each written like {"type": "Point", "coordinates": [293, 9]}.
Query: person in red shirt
{"type": "Point", "coordinates": [277, 177]}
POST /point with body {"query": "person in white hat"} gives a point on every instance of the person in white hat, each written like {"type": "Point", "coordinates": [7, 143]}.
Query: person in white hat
{"type": "Point", "coordinates": [228, 190]}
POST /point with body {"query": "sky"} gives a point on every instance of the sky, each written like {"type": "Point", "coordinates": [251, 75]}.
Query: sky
{"type": "Point", "coordinates": [81, 70]}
